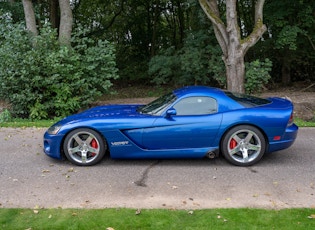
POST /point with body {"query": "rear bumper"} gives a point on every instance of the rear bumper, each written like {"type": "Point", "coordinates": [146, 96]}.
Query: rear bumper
{"type": "Point", "coordinates": [286, 141]}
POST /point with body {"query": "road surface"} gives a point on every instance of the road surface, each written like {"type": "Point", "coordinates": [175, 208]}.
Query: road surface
{"type": "Point", "coordinates": [29, 179]}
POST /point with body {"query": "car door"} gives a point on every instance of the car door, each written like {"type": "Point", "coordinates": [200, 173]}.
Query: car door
{"type": "Point", "coordinates": [194, 124]}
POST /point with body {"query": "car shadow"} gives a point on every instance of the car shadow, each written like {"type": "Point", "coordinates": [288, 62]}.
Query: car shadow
{"type": "Point", "coordinates": [172, 162]}
{"type": "Point", "coordinates": [284, 157]}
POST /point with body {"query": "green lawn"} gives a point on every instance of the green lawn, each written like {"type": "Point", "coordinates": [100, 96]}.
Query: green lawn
{"type": "Point", "coordinates": [156, 219]}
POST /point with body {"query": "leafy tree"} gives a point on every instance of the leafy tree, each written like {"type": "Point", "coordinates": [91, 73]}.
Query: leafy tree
{"type": "Point", "coordinates": [291, 38]}
{"type": "Point", "coordinates": [197, 62]}
{"type": "Point", "coordinates": [142, 29]}
{"type": "Point", "coordinates": [66, 19]}
{"type": "Point", "coordinates": [170, 32]}
{"type": "Point", "coordinates": [139, 28]}
{"type": "Point", "coordinates": [234, 45]}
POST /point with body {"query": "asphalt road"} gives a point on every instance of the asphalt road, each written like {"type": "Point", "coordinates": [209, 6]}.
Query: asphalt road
{"type": "Point", "coordinates": [30, 179]}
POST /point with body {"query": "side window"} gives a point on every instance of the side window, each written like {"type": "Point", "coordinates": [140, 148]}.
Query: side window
{"type": "Point", "coordinates": [196, 106]}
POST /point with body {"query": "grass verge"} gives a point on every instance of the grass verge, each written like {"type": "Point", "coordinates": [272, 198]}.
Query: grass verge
{"type": "Point", "coordinates": [157, 219]}
{"type": "Point", "coordinates": [23, 123]}
{"type": "Point", "coordinates": [301, 123]}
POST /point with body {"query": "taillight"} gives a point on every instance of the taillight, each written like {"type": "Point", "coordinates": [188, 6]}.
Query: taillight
{"type": "Point", "coordinates": [291, 119]}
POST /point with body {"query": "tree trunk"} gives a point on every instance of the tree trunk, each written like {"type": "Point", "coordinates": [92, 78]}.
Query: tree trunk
{"type": "Point", "coordinates": [30, 17]}
{"type": "Point", "coordinates": [234, 60]}
{"type": "Point", "coordinates": [66, 21]}
{"type": "Point", "coordinates": [235, 72]}
{"type": "Point", "coordinates": [233, 47]}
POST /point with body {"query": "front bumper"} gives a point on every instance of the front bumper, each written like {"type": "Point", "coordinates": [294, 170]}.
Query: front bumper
{"type": "Point", "coordinates": [53, 145]}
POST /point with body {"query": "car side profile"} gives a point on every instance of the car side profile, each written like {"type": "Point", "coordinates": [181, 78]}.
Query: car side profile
{"type": "Point", "coordinates": [190, 122]}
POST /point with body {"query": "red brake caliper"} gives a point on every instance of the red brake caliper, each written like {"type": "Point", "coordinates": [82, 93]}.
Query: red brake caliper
{"type": "Point", "coordinates": [233, 144]}
{"type": "Point", "coordinates": [94, 145]}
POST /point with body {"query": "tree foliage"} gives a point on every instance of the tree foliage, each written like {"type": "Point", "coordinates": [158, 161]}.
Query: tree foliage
{"type": "Point", "coordinates": [50, 80]}
{"type": "Point", "coordinates": [12, 9]}
{"type": "Point", "coordinates": [233, 43]}
{"type": "Point", "coordinates": [257, 75]}
{"type": "Point", "coordinates": [290, 41]}
{"type": "Point", "coordinates": [196, 63]}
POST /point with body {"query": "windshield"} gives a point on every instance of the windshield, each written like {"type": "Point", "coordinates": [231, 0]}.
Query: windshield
{"type": "Point", "coordinates": [157, 106]}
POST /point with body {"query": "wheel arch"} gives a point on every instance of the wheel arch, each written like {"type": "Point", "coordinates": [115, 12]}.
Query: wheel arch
{"type": "Point", "coordinates": [62, 153]}
{"type": "Point", "coordinates": [248, 124]}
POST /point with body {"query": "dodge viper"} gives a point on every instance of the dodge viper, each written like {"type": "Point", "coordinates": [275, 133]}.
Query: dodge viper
{"type": "Point", "coordinates": [190, 122]}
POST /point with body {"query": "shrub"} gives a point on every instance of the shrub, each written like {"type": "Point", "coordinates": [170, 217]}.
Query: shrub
{"type": "Point", "coordinates": [42, 79]}
{"type": "Point", "coordinates": [5, 116]}
{"type": "Point", "coordinates": [257, 75]}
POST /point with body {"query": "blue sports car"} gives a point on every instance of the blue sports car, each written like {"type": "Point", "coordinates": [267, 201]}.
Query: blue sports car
{"type": "Point", "coordinates": [191, 122]}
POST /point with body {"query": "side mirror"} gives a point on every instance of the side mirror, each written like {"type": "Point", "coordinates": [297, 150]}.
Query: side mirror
{"type": "Point", "coordinates": [171, 112]}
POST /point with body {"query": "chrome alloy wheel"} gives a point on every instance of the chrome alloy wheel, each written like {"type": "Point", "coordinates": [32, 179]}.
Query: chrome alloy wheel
{"type": "Point", "coordinates": [84, 147]}
{"type": "Point", "coordinates": [243, 145]}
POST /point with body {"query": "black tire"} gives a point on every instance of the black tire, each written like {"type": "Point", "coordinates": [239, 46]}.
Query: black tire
{"type": "Point", "coordinates": [84, 147]}
{"type": "Point", "coordinates": [243, 145]}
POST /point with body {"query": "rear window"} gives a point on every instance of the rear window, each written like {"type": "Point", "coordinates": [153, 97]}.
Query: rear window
{"type": "Point", "coordinates": [247, 100]}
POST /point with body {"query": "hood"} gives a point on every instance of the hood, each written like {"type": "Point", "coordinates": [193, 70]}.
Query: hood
{"type": "Point", "coordinates": [105, 112]}
{"type": "Point", "coordinates": [110, 111]}
{"type": "Point", "coordinates": [110, 116]}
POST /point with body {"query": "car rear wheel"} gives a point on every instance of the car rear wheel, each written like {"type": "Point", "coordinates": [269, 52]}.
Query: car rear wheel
{"type": "Point", "coordinates": [243, 145]}
{"type": "Point", "coordinates": [84, 147]}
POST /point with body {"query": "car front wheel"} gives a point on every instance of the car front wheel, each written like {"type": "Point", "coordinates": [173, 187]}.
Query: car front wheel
{"type": "Point", "coordinates": [243, 145]}
{"type": "Point", "coordinates": [84, 147]}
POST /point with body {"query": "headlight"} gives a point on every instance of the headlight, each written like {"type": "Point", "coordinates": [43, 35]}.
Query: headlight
{"type": "Point", "coordinates": [54, 129]}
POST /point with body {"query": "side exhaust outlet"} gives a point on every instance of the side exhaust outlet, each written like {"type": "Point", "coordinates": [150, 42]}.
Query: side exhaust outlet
{"type": "Point", "coordinates": [211, 155]}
